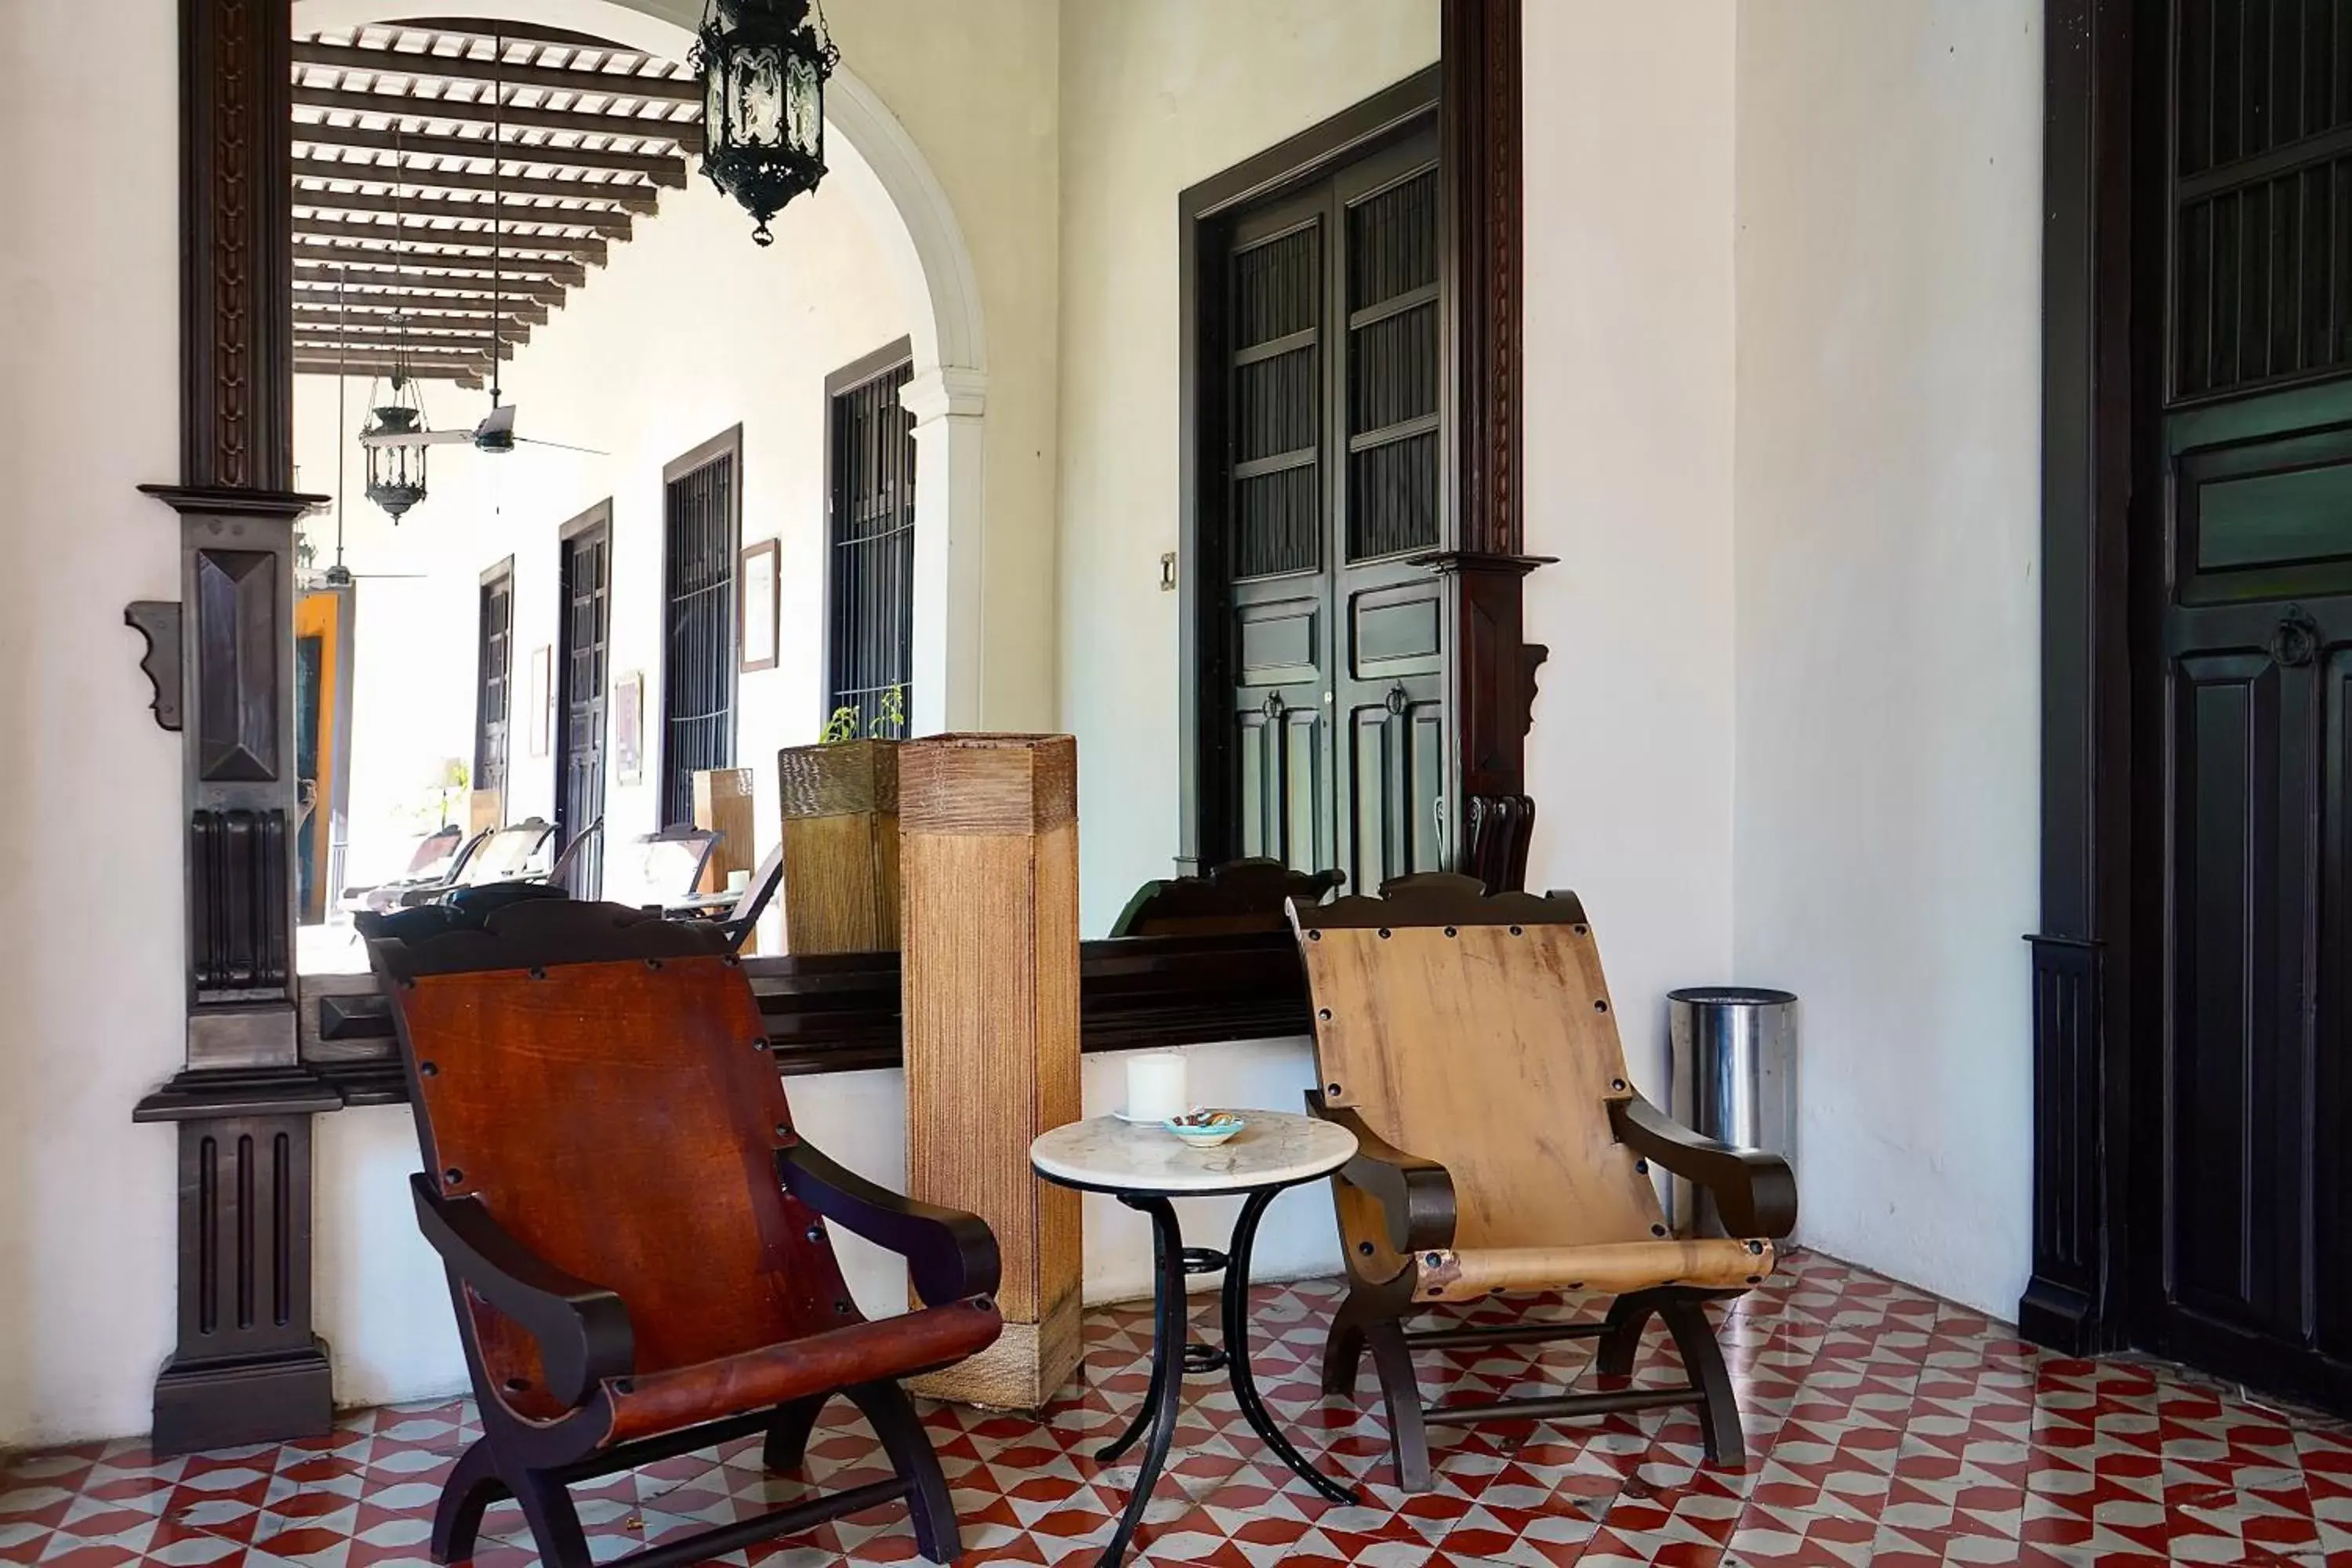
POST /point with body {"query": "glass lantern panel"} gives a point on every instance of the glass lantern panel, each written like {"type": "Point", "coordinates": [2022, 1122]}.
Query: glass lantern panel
{"type": "Point", "coordinates": [759, 97]}
{"type": "Point", "coordinates": [714, 107]}
{"type": "Point", "coordinates": [804, 103]}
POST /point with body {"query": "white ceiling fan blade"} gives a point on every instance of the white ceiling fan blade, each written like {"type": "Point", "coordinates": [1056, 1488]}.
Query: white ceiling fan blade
{"type": "Point", "coordinates": [561, 445]}
{"type": "Point", "coordinates": [416, 437]}
{"type": "Point", "coordinates": [498, 421]}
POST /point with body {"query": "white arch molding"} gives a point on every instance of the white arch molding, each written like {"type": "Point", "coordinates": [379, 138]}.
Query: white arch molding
{"type": "Point", "coordinates": [910, 216]}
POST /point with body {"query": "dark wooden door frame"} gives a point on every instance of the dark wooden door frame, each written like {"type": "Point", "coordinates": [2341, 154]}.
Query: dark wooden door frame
{"type": "Point", "coordinates": [246, 1366]}
{"type": "Point", "coordinates": [595, 520]}
{"type": "Point", "coordinates": [1473, 94]}
{"type": "Point", "coordinates": [848, 378]}
{"type": "Point", "coordinates": [501, 571]}
{"type": "Point", "coordinates": [2092, 954]}
{"type": "Point", "coordinates": [727, 443]}
{"type": "Point", "coordinates": [2082, 955]}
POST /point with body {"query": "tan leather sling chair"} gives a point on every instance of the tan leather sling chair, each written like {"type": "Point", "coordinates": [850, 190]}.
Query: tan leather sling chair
{"type": "Point", "coordinates": [1469, 1043]}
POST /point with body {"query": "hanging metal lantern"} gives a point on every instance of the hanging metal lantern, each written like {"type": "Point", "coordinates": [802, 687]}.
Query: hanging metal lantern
{"type": "Point", "coordinates": [764, 65]}
{"type": "Point", "coordinates": [395, 468]}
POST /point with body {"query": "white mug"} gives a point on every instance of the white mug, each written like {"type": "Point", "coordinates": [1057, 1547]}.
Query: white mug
{"type": "Point", "coordinates": [1155, 1086]}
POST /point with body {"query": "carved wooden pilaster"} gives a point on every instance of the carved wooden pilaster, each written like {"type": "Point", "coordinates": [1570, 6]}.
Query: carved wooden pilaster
{"type": "Point", "coordinates": [246, 1367]}
{"type": "Point", "coordinates": [236, 255]}
{"type": "Point", "coordinates": [1494, 665]}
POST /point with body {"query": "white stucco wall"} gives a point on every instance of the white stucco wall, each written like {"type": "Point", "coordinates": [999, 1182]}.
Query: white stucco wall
{"type": "Point", "coordinates": [89, 795]}
{"type": "Point", "coordinates": [1888, 610]}
{"type": "Point", "coordinates": [1628, 338]}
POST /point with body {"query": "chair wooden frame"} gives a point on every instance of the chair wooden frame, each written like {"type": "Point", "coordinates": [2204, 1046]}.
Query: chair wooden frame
{"type": "Point", "coordinates": [1250, 894]}
{"type": "Point", "coordinates": [1403, 1215]}
{"type": "Point", "coordinates": [559, 1364]}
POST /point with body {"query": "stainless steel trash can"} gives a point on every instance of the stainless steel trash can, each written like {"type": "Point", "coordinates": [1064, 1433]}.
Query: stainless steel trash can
{"type": "Point", "coordinates": [1733, 1065]}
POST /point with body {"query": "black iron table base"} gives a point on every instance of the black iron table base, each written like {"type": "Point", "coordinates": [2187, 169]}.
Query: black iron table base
{"type": "Point", "coordinates": [1174, 1354]}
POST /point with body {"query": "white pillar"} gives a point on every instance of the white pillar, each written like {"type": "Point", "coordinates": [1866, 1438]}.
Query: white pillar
{"type": "Point", "coordinates": [949, 633]}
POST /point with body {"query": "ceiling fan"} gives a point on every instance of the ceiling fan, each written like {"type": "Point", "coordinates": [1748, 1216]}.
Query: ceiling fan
{"type": "Point", "coordinates": [495, 433]}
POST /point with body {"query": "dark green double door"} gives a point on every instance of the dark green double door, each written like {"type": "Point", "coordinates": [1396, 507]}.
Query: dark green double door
{"type": "Point", "coordinates": [1336, 632]}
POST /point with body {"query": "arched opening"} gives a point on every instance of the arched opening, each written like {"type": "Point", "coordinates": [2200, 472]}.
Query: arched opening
{"type": "Point", "coordinates": [875, 158]}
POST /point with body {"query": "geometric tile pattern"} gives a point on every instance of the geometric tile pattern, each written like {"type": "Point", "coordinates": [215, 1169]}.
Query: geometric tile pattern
{"type": "Point", "coordinates": [1883, 1427]}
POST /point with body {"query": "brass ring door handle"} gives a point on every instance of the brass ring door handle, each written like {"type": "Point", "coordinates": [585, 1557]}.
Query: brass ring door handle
{"type": "Point", "coordinates": [2295, 642]}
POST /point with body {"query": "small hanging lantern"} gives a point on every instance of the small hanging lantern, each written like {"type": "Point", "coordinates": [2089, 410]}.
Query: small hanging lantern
{"type": "Point", "coordinates": [764, 65]}
{"type": "Point", "coordinates": [395, 468]}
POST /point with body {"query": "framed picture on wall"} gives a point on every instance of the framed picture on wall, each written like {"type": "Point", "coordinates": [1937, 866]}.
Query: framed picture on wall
{"type": "Point", "coordinates": [755, 607]}
{"type": "Point", "coordinates": [543, 696]}
{"type": "Point", "coordinates": [629, 728]}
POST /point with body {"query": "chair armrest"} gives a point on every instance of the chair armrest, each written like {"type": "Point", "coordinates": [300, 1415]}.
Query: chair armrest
{"type": "Point", "coordinates": [950, 1254]}
{"type": "Point", "coordinates": [1754, 1192]}
{"type": "Point", "coordinates": [583, 1330]}
{"type": "Point", "coordinates": [1416, 1195]}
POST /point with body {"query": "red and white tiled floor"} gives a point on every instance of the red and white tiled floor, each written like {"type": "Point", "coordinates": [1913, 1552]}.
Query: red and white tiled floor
{"type": "Point", "coordinates": [1883, 1426]}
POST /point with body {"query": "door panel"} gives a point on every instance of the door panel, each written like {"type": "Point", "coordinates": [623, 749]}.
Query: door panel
{"type": "Point", "coordinates": [2226, 1070]}
{"type": "Point", "coordinates": [2331, 1187]}
{"type": "Point", "coordinates": [1285, 788]}
{"type": "Point", "coordinates": [1391, 691]}
{"type": "Point", "coordinates": [1280, 655]}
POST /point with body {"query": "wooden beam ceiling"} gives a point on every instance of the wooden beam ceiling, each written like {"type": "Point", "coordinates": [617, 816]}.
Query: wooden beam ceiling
{"type": "Point", "coordinates": [326, 362]}
{"type": "Point", "coordinates": [415, 282]}
{"type": "Point", "coordinates": [602, 222]}
{"type": "Point", "coordinates": [508, 161]}
{"type": "Point", "coordinates": [358, 348]}
{"type": "Point", "coordinates": [421, 258]}
{"type": "Point", "coordinates": [660, 168]}
{"type": "Point", "coordinates": [587, 248]}
{"type": "Point", "coordinates": [632, 195]}
{"type": "Point", "coordinates": [372, 327]}
{"type": "Point", "coordinates": [686, 133]}
{"type": "Point", "coordinates": [530, 311]}
{"type": "Point", "coordinates": [410, 64]}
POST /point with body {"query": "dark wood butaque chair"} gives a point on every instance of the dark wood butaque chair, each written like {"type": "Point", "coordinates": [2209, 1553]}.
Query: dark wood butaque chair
{"type": "Point", "coordinates": [635, 1231]}
{"type": "Point", "coordinates": [1469, 1044]}
{"type": "Point", "coordinates": [1245, 895]}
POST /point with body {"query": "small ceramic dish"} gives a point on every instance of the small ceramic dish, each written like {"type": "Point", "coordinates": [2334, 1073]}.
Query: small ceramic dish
{"type": "Point", "coordinates": [1205, 1128]}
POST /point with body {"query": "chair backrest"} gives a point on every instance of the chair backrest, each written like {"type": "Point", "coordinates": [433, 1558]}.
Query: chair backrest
{"type": "Point", "coordinates": [1478, 1032]}
{"type": "Point", "coordinates": [669, 863]}
{"type": "Point", "coordinates": [587, 840]}
{"type": "Point", "coordinates": [509, 854]}
{"type": "Point", "coordinates": [1245, 895]}
{"type": "Point", "coordinates": [452, 871]}
{"type": "Point", "coordinates": [598, 1078]}
{"type": "Point", "coordinates": [434, 849]}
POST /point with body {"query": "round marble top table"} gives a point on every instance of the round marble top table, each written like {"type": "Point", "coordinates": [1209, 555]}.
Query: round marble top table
{"type": "Point", "coordinates": [1144, 1166]}
{"type": "Point", "coordinates": [1108, 1155]}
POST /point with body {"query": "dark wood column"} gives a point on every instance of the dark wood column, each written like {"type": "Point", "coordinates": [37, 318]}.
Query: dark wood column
{"type": "Point", "coordinates": [246, 1367]}
{"type": "Point", "coordinates": [1494, 664]}
{"type": "Point", "coordinates": [2080, 979]}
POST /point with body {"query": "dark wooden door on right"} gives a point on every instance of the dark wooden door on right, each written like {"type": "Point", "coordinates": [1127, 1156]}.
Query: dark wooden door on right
{"type": "Point", "coordinates": [583, 677]}
{"type": "Point", "coordinates": [2244, 1097]}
